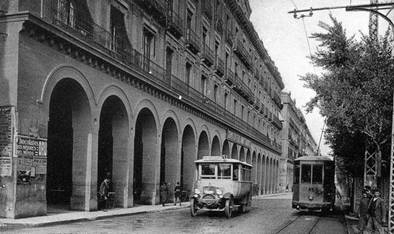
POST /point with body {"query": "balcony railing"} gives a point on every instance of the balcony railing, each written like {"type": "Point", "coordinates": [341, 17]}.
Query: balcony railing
{"type": "Point", "coordinates": [156, 8]}
{"type": "Point", "coordinates": [102, 40]}
{"type": "Point", "coordinates": [192, 41]}
{"type": "Point", "coordinates": [241, 88]}
{"type": "Point", "coordinates": [219, 66]}
{"type": "Point", "coordinates": [277, 122]}
{"type": "Point", "coordinates": [277, 100]}
{"type": "Point", "coordinates": [174, 24]}
{"type": "Point", "coordinates": [207, 55]}
{"type": "Point", "coordinates": [243, 54]}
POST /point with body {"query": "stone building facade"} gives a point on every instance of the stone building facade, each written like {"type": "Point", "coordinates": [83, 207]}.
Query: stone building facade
{"type": "Point", "coordinates": [297, 140]}
{"type": "Point", "coordinates": [132, 89]}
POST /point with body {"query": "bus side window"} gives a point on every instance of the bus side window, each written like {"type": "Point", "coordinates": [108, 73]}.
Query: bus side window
{"type": "Point", "coordinates": [306, 173]}
{"type": "Point", "coordinates": [317, 173]}
{"type": "Point", "coordinates": [235, 172]}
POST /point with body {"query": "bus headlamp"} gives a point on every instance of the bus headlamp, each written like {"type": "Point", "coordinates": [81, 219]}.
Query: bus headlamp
{"type": "Point", "coordinates": [197, 191]}
{"type": "Point", "coordinates": [219, 192]}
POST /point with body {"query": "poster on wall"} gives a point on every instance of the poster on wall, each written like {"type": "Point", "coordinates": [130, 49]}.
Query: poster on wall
{"type": "Point", "coordinates": [6, 139]}
{"type": "Point", "coordinates": [32, 158]}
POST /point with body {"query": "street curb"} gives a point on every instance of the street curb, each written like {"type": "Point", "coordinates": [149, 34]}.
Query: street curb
{"type": "Point", "coordinates": [10, 226]}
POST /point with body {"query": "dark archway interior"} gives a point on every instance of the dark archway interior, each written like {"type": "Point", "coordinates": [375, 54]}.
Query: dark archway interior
{"type": "Point", "coordinates": [60, 141]}
{"type": "Point", "coordinates": [188, 155]}
{"type": "Point", "coordinates": [144, 153]}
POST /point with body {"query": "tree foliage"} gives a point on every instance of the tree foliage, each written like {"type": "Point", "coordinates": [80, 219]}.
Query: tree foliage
{"type": "Point", "coordinates": [354, 93]}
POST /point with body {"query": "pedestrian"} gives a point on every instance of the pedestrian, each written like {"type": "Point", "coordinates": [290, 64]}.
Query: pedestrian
{"type": "Point", "coordinates": [178, 193]}
{"type": "Point", "coordinates": [377, 212]}
{"type": "Point", "coordinates": [163, 193]}
{"type": "Point", "coordinates": [104, 193]}
{"type": "Point", "coordinates": [363, 212]}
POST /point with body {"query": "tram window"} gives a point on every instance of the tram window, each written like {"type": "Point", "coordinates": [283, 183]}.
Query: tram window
{"type": "Point", "coordinates": [224, 171]}
{"type": "Point", "coordinates": [317, 174]}
{"type": "Point", "coordinates": [306, 173]}
{"type": "Point", "coordinates": [235, 172]}
{"type": "Point", "coordinates": [297, 174]}
{"type": "Point", "coordinates": [208, 171]}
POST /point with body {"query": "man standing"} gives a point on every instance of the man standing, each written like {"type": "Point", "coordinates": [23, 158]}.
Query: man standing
{"type": "Point", "coordinates": [178, 193]}
{"type": "Point", "coordinates": [377, 211]}
{"type": "Point", "coordinates": [104, 192]}
{"type": "Point", "coordinates": [363, 212]}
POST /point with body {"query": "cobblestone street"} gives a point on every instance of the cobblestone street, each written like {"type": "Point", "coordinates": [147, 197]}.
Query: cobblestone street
{"type": "Point", "coordinates": [272, 214]}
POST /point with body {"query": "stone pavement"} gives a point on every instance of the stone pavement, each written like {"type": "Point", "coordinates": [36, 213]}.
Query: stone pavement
{"type": "Point", "coordinates": [352, 225]}
{"type": "Point", "coordinates": [74, 216]}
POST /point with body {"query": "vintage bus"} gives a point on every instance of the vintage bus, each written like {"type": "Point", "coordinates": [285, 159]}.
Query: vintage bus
{"type": "Point", "coordinates": [313, 183]}
{"type": "Point", "coordinates": [222, 184]}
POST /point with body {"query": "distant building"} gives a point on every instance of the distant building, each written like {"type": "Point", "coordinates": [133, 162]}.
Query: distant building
{"type": "Point", "coordinates": [134, 90]}
{"type": "Point", "coordinates": [297, 140]}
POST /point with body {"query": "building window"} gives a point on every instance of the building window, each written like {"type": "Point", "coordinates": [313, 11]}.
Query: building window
{"type": "Point", "coordinates": [188, 74]}
{"type": "Point", "coordinates": [215, 92]}
{"type": "Point", "coordinates": [225, 100]}
{"type": "Point", "coordinates": [227, 62]}
{"type": "Point", "coordinates": [189, 19]}
{"type": "Point", "coordinates": [205, 37]}
{"type": "Point", "coordinates": [66, 12]}
{"type": "Point", "coordinates": [242, 111]}
{"type": "Point", "coordinates": [217, 52]}
{"type": "Point", "coordinates": [149, 44]}
{"type": "Point", "coordinates": [204, 85]}
{"type": "Point", "coordinates": [235, 107]}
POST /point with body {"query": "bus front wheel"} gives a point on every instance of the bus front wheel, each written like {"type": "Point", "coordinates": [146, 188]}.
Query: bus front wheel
{"type": "Point", "coordinates": [193, 207]}
{"type": "Point", "coordinates": [228, 209]}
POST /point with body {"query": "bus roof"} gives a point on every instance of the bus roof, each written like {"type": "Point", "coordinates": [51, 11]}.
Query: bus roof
{"type": "Point", "coordinates": [314, 158]}
{"type": "Point", "coordinates": [218, 159]}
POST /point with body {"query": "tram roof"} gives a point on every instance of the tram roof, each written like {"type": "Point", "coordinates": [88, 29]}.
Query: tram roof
{"type": "Point", "coordinates": [314, 158]}
{"type": "Point", "coordinates": [218, 159]}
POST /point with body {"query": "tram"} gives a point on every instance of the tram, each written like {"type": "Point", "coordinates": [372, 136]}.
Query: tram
{"type": "Point", "coordinates": [223, 184]}
{"type": "Point", "coordinates": [313, 183]}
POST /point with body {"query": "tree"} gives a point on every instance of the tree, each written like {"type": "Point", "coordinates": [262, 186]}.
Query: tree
{"type": "Point", "coordinates": [354, 93]}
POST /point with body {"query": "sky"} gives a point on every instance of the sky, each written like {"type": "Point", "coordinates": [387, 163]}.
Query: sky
{"type": "Point", "coordinates": [285, 39]}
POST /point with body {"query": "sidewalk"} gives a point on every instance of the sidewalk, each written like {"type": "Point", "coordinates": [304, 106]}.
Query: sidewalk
{"type": "Point", "coordinates": [286, 195]}
{"type": "Point", "coordinates": [352, 225]}
{"type": "Point", "coordinates": [71, 216]}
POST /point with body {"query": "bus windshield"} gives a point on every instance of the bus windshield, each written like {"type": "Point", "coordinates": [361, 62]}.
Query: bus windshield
{"type": "Point", "coordinates": [208, 171]}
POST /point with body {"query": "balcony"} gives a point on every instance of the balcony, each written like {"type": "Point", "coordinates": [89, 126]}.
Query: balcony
{"type": "Point", "coordinates": [277, 100]}
{"type": "Point", "coordinates": [243, 54]}
{"type": "Point", "coordinates": [262, 108]}
{"type": "Point", "coordinates": [207, 8]}
{"type": "Point", "coordinates": [257, 104]}
{"type": "Point", "coordinates": [277, 122]}
{"type": "Point", "coordinates": [242, 89]}
{"type": "Point", "coordinates": [156, 8]}
{"type": "Point", "coordinates": [207, 55]}
{"type": "Point", "coordinates": [174, 24]}
{"type": "Point", "coordinates": [230, 78]}
{"type": "Point", "coordinates": [192, 41]}
{"type": "Point", "coordinates": [219, 66]}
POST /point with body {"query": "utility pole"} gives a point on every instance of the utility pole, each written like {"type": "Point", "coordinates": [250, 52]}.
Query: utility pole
{"type": "Point", "coordinates": [372, 161]}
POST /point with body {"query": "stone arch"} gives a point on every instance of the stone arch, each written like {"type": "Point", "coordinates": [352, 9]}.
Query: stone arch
{"type": "Point", "coordinates": [248, 156]}
{"type": "Point", "coordinates": [68, 105]}
{"type": "Point", "coordinates": [226, 148]}
{"type": "Point", "coordinates": [242, 154]}
{"type": "Point", "coordinates": [148, 104]}
{"type": "Point", "coordinates": [172, 114]}
{"type": "Point", "coordinates": [254, 170]}
{"type": "Point", "coordinates": [114, 146]}
{"type": "Point", "coordinates": [203, 145]}
{"type": "Point", "coordinates": [145, 154]}
{"type": "Point", "coordinates": [188, 155]}
{"type": "Point", "coordinates": [215, 146]}
{"type": "Point", "coordinates": [259, 172]}
{"type": "Point", "coordinates": [64, 72]}
{"type": "Point", "coordinates": [169, 156]}
{"type": "Point", "coordinates": [234, 151]}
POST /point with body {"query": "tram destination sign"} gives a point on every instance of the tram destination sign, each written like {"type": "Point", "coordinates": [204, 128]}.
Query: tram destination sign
{"type": "Point", "coordinates": [6, 143]}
